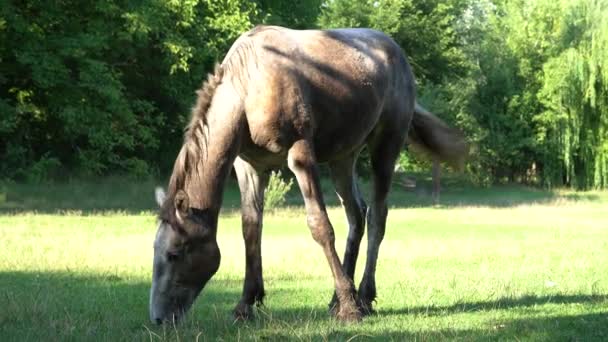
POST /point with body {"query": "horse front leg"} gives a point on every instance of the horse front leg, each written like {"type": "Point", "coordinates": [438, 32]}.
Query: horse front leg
{"type": "Point", "coordinates": [302, 163]}
{"type": "Point", "coordinates": [252, 185]}
{"type": "Point", "coordinates": [384, 153]}
{"type": "Point", "coordinates": [344, 178]}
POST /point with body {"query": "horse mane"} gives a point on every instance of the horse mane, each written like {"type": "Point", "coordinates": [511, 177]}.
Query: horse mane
{"type": "Point", "coordinates": [195, 136]}
{"type": "Point", "coordinates": [234, 66]}
{"type": "Point", "coordinates": [203, 102]}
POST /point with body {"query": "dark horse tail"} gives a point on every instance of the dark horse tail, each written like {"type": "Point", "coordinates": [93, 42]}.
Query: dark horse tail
{"type": "Point", "coordinates": [431, 136]}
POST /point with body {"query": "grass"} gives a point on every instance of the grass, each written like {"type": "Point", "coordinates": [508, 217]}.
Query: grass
{"type": "Point", "coordinates": [509, 263]}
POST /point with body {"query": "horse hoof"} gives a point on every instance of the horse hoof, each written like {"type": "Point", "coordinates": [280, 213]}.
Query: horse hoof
{"type": "Point", "coordinates": [349, 316]}
{"type": "Point", "coordinates": [367, 309]}
{"type": "Point", "coordinates": [243, 312]}
{"type": "Point", "coordinates": [346, 313]}
{"type": "Point", "coordinates": [334, 306]}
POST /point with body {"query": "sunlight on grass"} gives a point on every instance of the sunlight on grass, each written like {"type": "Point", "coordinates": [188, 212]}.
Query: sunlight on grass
{"type": "Point", "coordinates": [536, 271]}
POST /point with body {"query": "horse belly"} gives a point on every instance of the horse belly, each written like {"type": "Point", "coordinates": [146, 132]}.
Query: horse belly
{"type": "Point", "coordinates": [344, 135]}
{"type": "Point", "coordinates": [343, 120]}
{"type": "Point", "coordinates": [260, 157]}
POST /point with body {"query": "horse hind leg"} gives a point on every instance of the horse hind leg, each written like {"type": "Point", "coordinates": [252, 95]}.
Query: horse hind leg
{"type": "Point", "coordinates": [302, 163]}
{"type": "Point", "coordinates": [384, 152]}
{"type": "Point", "coordinates": [345, 182]}
{"type": "Point", "coordinates": [252, 185]}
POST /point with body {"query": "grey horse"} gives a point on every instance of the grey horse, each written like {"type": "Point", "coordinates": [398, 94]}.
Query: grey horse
{"type": "Point", "coordinates": [301, 97]}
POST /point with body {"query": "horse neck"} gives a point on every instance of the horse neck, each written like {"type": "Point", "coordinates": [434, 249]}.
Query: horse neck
{"type": "Point", "coordinates": [207, 174]}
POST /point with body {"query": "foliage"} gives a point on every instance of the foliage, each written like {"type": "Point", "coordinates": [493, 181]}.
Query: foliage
{"type": "Point", "coordinates": [300, 14]}
{"type": "Point", "coordinates": [424, 29]}
{"type": "Point", "coordinates": [276, 190]}
{"type": "Point", "coordinates": [106, 88]}
{"type": "Point", "coordinates": [98, 88]}
{"type": "Point", "coordinates": [523, 79]}
{"type": "Point", "coordinates": [576, 97]}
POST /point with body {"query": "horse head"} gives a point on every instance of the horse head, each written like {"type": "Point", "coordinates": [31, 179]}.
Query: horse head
{"type": "Point", "coordinates": [186, 256]}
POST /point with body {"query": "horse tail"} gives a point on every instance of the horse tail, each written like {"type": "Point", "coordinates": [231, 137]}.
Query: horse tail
{"type": "Point", "coordinates": [433, 137]}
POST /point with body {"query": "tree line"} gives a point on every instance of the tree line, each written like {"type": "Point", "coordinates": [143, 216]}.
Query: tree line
{"type": "Point", "coordinates": [104, 87]}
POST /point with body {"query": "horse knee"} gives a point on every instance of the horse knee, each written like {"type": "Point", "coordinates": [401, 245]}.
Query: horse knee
{"type": "Point", "coordinates": [321, 230]}
{"type": "Point", "coordinates": [376, 220]}
{"type": "Point", "coordinates": [363, 208]}
{"type": "Point", "coordinates": [355, 233]}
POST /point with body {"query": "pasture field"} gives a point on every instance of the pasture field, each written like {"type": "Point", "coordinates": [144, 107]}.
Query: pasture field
{"type": "Point", "coordinates": [505, 263]}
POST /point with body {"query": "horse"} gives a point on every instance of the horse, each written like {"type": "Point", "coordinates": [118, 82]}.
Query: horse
{"type": "Point", "coordinates": [303, 97]}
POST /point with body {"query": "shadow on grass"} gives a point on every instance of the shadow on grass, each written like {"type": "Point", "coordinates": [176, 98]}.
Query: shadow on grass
{"type": "Point", "coordinates": [133, 197]}
{"type": "Point", "coordinates": [456, 194]}
{"type": "Point", "coordinates": [585, 327]}
{"type": "Point", "coordinates": [560, 327]}
{"type": "Point", "coordinates": [107, 195]}
{"type": "Point", "coordinates": [71, 306]}
{"type": "Point", "coordinates": [499, 304]}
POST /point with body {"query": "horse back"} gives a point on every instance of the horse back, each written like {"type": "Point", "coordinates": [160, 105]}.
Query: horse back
{"type": "Point", "coordinates": [333, 87]}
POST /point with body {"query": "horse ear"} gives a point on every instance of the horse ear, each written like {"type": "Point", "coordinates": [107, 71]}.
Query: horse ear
{"type": "Point", "coordinates": [160, 196]}
{"type": "Point", "coordinates": [181, 202]}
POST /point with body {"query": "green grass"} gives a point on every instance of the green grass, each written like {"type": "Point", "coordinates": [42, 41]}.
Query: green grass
{"type": "Point", "coordinates": [509, 263]}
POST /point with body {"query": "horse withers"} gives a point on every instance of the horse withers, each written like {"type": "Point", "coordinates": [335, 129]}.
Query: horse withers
{"type": "Point", "coordinates": [301, 97]}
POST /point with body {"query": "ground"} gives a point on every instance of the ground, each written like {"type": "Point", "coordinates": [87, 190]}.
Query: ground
{"type": "Point", "coordinates": [505, 262]}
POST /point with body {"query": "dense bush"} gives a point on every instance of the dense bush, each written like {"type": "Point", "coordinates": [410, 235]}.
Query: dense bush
{"type": "Point", "coordinates": [104, 87]}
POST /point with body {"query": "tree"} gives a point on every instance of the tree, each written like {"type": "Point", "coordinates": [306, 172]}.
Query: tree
{"type": "Point", "coordinates": [104, 88]}
{"type": "Point", "coordinates": [575, 94]}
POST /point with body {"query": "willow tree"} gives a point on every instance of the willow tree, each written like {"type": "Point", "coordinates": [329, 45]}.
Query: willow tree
{"type": "Point", "coordinates": [575, 93]}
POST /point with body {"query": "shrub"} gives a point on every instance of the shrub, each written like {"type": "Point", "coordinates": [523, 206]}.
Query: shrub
{"type": "Point", "coordinates": [277, 189]}
{"type": "Point", "coordinates": [42, 170]}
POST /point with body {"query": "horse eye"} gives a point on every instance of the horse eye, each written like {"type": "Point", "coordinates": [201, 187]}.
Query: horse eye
{"type": "Point", "coordinates": [172, 256]}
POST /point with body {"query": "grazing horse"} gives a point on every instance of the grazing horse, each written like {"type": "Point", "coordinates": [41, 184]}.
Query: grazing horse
{"type": "Point", "coordinates": [305, 97]}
